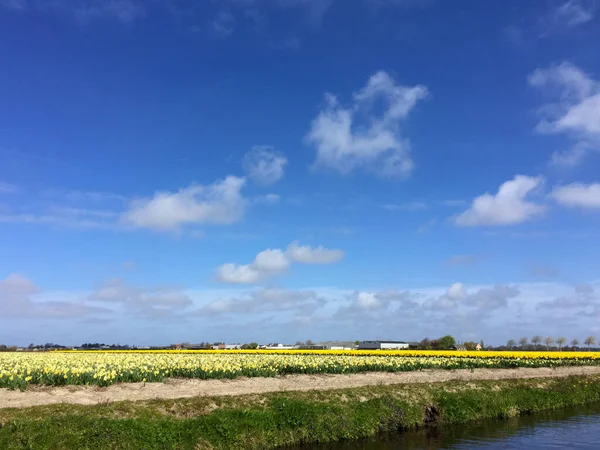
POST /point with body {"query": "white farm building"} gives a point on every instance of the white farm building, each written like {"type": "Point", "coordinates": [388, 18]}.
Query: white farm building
{"type": "Point", "coordinates": [383, 345]}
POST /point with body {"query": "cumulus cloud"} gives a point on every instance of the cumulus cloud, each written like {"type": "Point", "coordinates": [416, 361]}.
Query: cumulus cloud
{"type": "Point", "coordinates": [218, 203]}
{"type": "Point", "coordinates": [509, 205]}
{"type": "Point", "coordinates": [375, 304]}
{"type": "Point", "coordinates": [573, 111]}
{"type": "Point", "coordinates": [306, 254]}
{"type": "Point", "coordinates": [345, 144]}
{"type": "Point", "coordinates": [456, 291]}
{"type": "Point", "coordinates": [483, 301]}
{"type": "Point", "coordinates": [272, 262]}
{"type": "Point", "coordinates": [264, 165]}
{"type": "Point", "coordinates": [579, 195]}
{"type": "Point", "coordinates": [583, 296]}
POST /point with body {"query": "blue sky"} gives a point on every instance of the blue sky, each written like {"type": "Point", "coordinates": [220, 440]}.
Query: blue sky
{"type": "Point", "coordinates": [282, 170]}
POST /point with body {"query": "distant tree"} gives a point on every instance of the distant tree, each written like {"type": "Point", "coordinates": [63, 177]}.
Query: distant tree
{"type": "Point", "coordinates": [548, 341]}
{"type": "Point", "coordinates": [356, 342]}
{"type": "Point", "coordinates": [446, 342]}
{"type": "Point", "coordinates": [589, 341]}
{"type": "Point", "coordinates": [252, 345]}
{"type": "Point", "coordinates": [536, 341]}
{"type": "Point", "coordinates": [575, 343]}
{"type": "Point", "coordinates": [511, 344]}
{"type": "Point", "coordinates": [309, 342]}
{"type": "Point", "coordinates": [523, 342]}
{"type": "Point", "coordinates": [470, 346]}
{"type": "Point", "coordinates": [560, 341]}
{"type": "Point", "coordinates": [482, 344]}
{"type": "Point", "coordinates": [425, 344]}
{"type": "Point", "coordinates": [299, 343]}
{"type": "Point", "coordinates": [31, 346]}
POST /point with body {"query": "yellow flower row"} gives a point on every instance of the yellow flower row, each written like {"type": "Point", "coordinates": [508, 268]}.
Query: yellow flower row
{"type": "Point", "coordinates": [17, 370]}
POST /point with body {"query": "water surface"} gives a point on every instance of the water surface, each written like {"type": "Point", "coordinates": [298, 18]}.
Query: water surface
{"type": "Point", "coordinates": [577, 428]}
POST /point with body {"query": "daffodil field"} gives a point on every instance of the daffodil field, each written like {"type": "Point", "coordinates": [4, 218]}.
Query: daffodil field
{"type": "Point", "coordinates": [17, 370]}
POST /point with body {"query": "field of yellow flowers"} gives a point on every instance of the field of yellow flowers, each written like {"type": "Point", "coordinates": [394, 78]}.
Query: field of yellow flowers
{"type": "Point", "coordinates": [17, 370]}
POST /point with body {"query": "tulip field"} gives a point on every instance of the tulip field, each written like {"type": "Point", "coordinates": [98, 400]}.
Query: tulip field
{"type": "Point", "coordinates": [103, 368]}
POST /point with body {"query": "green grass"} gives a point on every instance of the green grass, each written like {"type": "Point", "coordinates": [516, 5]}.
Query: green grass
{"type": "Point", "coordinates": [273, 420]}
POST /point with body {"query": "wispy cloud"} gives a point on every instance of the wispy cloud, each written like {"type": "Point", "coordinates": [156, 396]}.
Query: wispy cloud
{"type": "Point", "coordinates": [573, 13]}
{"type": "Point", "coordinates": [461, 260]}
{"type": "Point", "coordinates": [7, 188]}
{"type": "Point", "coordinates": [343, 145]}
{"type": "Point", "coordinates": [19, 298]}
{"type": "Point", "coordinates": [223, 24]}
{"type": "Point", "coordinates": [408, 206]}
{"type": "Point", "coordinates": [264, 165]}
{"type": "Point", "coordinates": [125, 11]}
{"type": "Point", "coordinates": [574, 110]}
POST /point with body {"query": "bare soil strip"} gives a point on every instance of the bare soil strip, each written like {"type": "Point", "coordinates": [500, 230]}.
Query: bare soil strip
{"type": "Point", "coordinates": [185, 388]}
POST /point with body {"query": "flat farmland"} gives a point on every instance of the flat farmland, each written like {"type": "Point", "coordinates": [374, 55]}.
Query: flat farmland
{"type": "Point", "coordinates": [97, 368]}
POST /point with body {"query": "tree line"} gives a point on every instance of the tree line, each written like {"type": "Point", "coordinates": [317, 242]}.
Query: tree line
{"type": "Point", "coordinates": [548, 342]}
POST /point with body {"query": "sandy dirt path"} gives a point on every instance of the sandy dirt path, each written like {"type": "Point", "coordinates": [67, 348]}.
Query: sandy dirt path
{"type": "Point", "coordinates": [184, 388]}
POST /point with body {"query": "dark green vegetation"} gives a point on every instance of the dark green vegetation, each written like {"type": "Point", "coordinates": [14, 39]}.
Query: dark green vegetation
{"type": "Point", "coordinates": [272, 420]}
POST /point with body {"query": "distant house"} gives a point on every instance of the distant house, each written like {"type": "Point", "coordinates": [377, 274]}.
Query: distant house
{"type": "Point", "coordinates": [226, 347]}
{"type": "Point", "coordinates": [478, 347]}
{"type": "Point", "coordinates": [339, 345]}
{"type": "Point", "coordinates": [383, 345]}
{"type": "Point", "coordinates": [277, 346]}
{"type": "Point", "coordinates": [460, 348]}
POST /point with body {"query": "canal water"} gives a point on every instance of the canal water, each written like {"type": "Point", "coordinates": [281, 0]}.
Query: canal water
{"type": "Point", "coordinates": [568, 429]}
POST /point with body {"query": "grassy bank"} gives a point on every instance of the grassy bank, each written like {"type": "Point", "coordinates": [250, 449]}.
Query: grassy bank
{"type": "Point", "coordinates": [273, 420]}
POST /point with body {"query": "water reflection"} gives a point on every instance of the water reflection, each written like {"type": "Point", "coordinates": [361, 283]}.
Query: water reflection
{"type": "Point", "coordinates": [568, 429]}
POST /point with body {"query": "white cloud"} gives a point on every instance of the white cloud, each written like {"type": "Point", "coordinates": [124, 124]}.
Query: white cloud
{"type": "Point", "coordinates": [586, 196]}
{"type": "Point", "coordinates": [367, 300]}
{"type": "Point", "coordinates": [306, 254]}
{"type": "Point", "coordinates": [18, 299]}
{"type": "Point", "coordinates": [219, 203]}
{"type": "Point", "coordinates": [264, 165]}
{"type": "Point", "coordinates": [272, 262]}
{"type": "Point", "coordinates": [481, 302]}
{"type": "Point", "coordinates": [345, 144]}
{"type": "Point", "coordinates": [573, 13]}
{"type": "Point", "coordinates": [267, 263]}
{"type": "Point", "coordinates": [7, 188]}
{"type": "Point", "coordinates": [82, 220]}
{"type": "Point", "coordinates": [456, 291]}
{"type": "Point", "coordinates": [574, 111]}
{"type": "Point", "coordinates": [509, 206]}
{"type": "Point", "coordinates": [150, 302]}
{"type": "Point", "coordinates": [265, 300]}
